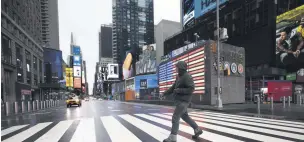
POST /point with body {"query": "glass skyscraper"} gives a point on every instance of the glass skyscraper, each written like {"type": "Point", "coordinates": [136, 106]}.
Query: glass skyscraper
{"type": "Point", "coordinates": [133, 27]}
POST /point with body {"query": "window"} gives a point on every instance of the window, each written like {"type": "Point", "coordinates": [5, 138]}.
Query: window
{"type": "Point", "coordinates": [6, 51]}
{"type": "Point", "coordinates": [19, 56]}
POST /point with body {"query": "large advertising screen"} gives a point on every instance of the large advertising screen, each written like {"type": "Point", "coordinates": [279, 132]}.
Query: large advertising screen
{"type": "Point", "coordinates": [76, 60]}
{"type": "Point", "coordinates": [69, 77]}
{"type": "Point", "coordinates": [188, 13]}
{"type": "Point", "coordinates": [83, 77]}
{"type": "Point", "coordinates": [204, 6]}
{"type": "Point", "coordinates": [77, 71]}
{"type": "Point", "coordinates": [127, 68]}
{"type": "Point", "coordinates": [145, 85]}
{"type": "Point", "coordinates": [112, 71]}
{"type": "Point", "coordinates": [76, 50]}
{"type": "Point", "coordinates": [290, 39]}
{"type": "Point", "coordinates": [196, 64]}
{"type": "Point", "coordinates": [77, 83]}
{"type": "Point", "coordinates": [54, 57]}
{"type": "Point", "coordinates": [147, 61]}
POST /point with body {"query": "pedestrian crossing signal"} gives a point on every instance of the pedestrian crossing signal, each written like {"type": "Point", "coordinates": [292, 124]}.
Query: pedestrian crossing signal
{"type": "Point", "coordinates": [226, 72]}
{"type": "Point", "coordinates": [213, 47]}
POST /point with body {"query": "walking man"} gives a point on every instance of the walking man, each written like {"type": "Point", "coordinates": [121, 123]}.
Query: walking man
{"type": "Point", "coordinates": [182, 90]}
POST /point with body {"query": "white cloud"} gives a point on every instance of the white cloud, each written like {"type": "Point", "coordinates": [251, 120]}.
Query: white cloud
{"type": "Point", "coordinates": [84, 17]}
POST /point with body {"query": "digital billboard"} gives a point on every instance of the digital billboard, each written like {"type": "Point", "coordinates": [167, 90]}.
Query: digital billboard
{"type": "Point", "coordinates": [77, 71]}
{"type": "Point", "coordinates": [147, 60]}
{"type": "Point", "coordinates": [188, 13]}
{"type": "Point", "coordinates": [112, 71]}
{"type": "Point", "coordinates": [76, 60]}
{"type": "Point", "coordinates": [204, 6]}
{"type": "Point", "coordinates": [76, 50]}
{"type": "Point", "coordinates": [83, 77]}
{"type": "Point", "coordinates": [127, 68]}
{"type": "Point", "coordinates": [196, 68]}
{"type": "Point", "coordinates": [69, 77]}
{"type": "Point", "coordinates": [54, 57]}
{"type": "Point", "coordinates": [77, 83]}
{"type": "Point", "coordinates": [290, 39]}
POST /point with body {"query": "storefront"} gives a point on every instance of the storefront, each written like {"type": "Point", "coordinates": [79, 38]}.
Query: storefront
{"type": "Point", "coordinates": [146, 87]}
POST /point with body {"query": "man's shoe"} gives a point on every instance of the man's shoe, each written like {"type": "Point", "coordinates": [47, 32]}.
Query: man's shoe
{"type": "Point", "coordinates": [171, 138]}
{"type": "Point", "coordinates": [197, 132]}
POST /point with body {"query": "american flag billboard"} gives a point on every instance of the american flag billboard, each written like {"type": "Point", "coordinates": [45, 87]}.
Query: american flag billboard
{"type": "Point", "coordinates": [196, 64]}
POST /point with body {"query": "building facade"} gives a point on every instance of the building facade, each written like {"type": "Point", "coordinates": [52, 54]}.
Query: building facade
{"type": "Point", "coordinates": [103, 62]}
{"type": "Point", "coordinates": [163, 30]}
{"type": "Point", "coordinates": [50, 24]}
{"type": "Point", "coordinates": [21, 52]}
{"type": "Point", "coordinates": [105, 41]}
{"type": "Point", "coordinates": [133, 27]}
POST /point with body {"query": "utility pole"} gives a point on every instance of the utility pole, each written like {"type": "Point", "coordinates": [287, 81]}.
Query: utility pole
{"type": "Point", "coordinates": [219, 100]}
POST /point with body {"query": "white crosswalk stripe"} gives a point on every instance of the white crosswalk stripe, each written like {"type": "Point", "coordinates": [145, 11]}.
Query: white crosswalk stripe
{"type": "Point", "coordinates": [217, 127]}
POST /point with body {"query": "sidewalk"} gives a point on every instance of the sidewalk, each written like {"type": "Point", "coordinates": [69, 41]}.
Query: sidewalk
{"type": "Point", "coordinates": [294, 112]}
{"type": "Point", "coordinates": [27, 112]}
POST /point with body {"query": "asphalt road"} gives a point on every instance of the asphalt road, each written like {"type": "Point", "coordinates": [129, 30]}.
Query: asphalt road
{"type": "Point", "coordinates": [106, 121]}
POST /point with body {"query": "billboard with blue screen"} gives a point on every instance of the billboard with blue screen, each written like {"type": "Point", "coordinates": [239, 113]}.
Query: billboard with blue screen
{"type": "Point", "coordinates": [151, 81]}
{"type": "Point", "coordinates": [76, 60]}
{"type": "Point", "coordinates": [188, 13]}
{"type": "Point", "coordinates": [54, 57]}
{"type": "Point", "coordinates": [76, 50]}
{"type": "Point", "coordinates": [204, 6]}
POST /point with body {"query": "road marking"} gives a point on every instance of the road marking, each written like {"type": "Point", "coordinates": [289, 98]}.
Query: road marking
{"type": "Point", "coordinates": [56, 132]}
{"type": "Point", "coordinates": [236, 132]}
{"type": "Point", "coordinates": [27, 133]}
{"type": "Point", "coordinates": [85, 131]}
{"type": "Point", "coordinates": [154, 131]}
{"type": "Point", "coordinates": [254, 118]}
{"type": "Point", "coordinates": [115, 110]}
{"type": "Point", "coordinates": [110, 107]}
{"type": "Point", "coordinates": [230, 119]}
{"type": "Point", "coordinates": [12, 129]}
{"type": "Point", "coordinates": [206, 135]}
{"type": "Point", "coordinates": [117, 131]}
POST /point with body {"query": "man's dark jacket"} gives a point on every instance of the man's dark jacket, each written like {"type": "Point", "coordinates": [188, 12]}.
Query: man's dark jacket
{"type": "Point", "coordinates": [183, 87]}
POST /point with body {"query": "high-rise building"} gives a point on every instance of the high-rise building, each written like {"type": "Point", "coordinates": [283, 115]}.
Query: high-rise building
{"type": "Point", "coordinates": [105, 41]}
{"type": "Point", "coordinates": [163, 30]}
{"type": "Point", "coordinates": [50, 24]}
{"type": "Point", "coordinates": [133, 26]}
{"type": "Point", "coordinates": [21, 52]}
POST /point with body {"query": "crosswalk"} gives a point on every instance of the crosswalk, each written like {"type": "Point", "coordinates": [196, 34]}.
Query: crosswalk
{"type": "Point", "coordinates": [217, 127]}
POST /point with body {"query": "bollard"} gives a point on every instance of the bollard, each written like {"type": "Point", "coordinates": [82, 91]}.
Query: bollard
{"type": "Point", "coordinates": [38, 105]}
{"type": "Point", "coordinates": [44, 105]}
{"type": "Point", "coordinates": [271, 102]}
{"type": "Point", "coordinates": [259, 103]}
{"type": "Point", "coordinates": [28, 106]}
{"type": "Point", "coordinates": [41, 104]}
{"type": "Point", "coordinates": [284, 100]}
{"type": "Point", "coordinates": [300, 100]}
{"type": "Point", "coordinates": [23, 107]}
{"type": "Point", "coordinates": [16, 107]}
{"type": "Point", "coordinates": [34, 106]}
{"type": "Point", "coordinates": [7, 107]}
{"type": "Point", "coordinates": [289, 99]}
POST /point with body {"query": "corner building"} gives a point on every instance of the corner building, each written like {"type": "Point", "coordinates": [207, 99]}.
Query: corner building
{"type": "Point", "coordinates": [21, 52]}
{"type": "Point", "coordinates": [133, 27]}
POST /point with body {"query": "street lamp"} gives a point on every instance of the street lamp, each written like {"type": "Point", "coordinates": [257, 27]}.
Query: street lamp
{"type": "Point", "coordinates": [196, 37]}
{"type": "Point", "coordinates": [219, 100]}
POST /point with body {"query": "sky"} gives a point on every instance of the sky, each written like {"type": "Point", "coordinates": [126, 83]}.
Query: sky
{"type": "Point", "coordinates": [84, 18]}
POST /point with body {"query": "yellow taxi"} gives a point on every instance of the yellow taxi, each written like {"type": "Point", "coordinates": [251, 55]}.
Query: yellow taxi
{"type": "Point", "coordinates": [74, 100]}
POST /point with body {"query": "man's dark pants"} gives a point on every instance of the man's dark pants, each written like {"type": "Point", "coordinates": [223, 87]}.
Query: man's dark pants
{"type": "Point", "coordinates": [181, 112]}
